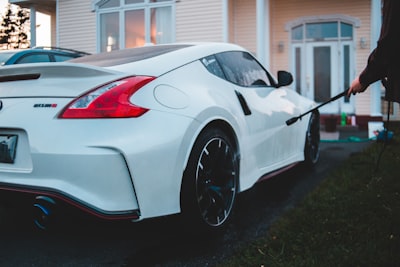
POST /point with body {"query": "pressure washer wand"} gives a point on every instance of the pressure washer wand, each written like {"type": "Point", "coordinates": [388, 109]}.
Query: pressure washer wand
{"type": "Point", "coordinates": [294, 119]}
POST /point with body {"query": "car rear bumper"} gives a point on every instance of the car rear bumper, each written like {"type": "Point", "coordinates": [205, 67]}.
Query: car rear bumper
{"type": "Point", "coordinates": [98, 182]}
{"type": "Point", "coordinates": [106, 166]}
{"type": "Point", "coordinates": [61, 197]}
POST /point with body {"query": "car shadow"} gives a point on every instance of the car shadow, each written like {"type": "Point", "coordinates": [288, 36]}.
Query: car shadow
{"type": "Point", "coordinates": [155, 242]}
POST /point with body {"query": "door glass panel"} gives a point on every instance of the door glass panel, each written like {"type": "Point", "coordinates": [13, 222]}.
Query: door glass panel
{"type": "Point", "coordinates": [322, 73]}
{"type": "Point", "coordinates": [298, 69]}
{"type": "Point", "coordinates": [109, 31]}
{"type": "Point", "coordinates": [346, 70]}
{"type": "Point", "coordinates": [134, 28]}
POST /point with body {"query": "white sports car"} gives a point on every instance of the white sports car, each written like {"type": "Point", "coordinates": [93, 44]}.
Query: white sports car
{"type": "Point", "coordinates": [150, 131]}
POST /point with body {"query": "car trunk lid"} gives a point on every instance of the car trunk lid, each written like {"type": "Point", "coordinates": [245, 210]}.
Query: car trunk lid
{"type": "Point", "coordinates": [52, 79]}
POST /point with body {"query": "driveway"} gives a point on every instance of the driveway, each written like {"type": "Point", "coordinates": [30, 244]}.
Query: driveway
{"type": "Point", "coordinates": [81, 241]}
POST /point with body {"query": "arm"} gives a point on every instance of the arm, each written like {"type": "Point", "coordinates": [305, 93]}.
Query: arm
{"type": "Point", "coordinates": [382, 56]}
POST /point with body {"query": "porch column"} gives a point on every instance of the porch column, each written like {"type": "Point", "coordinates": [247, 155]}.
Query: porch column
{"type": "Point", "coordinates": [375, 88]}
{"type": "Point", "coordinates": [225, 23]}
{"type": "Point", "coordinates": [263, 34]}
{"type": "Point", "coordinates": [33, 25]}
{"type": "Point", "coordinates": [57, 24]}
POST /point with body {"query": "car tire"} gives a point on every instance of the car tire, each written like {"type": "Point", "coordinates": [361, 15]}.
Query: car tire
{"type": "Point", "coordinates": [312, 144]}
{"type": "Point", "coordinates": [210, 180]}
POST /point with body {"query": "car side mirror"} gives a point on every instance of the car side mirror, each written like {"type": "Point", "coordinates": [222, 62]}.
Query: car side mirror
{"type": "Point", "coordinates": [284, 78]}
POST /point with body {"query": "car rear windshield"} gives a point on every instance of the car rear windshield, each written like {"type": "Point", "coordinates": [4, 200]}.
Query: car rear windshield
{"type": "Point", "coordinates": [124, 56]}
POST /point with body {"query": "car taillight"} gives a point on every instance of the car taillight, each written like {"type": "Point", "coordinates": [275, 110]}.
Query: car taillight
{"type": "Point", "coordinates": [108, 101]}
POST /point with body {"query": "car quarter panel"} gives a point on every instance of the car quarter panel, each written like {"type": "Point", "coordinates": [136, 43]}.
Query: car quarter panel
{"type": "Point", "coordinates": [206, 98]}
{"type": "Point", "coordinates": [110, 164]}
{"type": "Point", "coordinates": [263, 137]}
{"type": "Point", "coordinates": [64, 156]}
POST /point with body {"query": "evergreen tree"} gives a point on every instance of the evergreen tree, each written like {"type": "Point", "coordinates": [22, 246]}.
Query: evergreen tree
{"type": "Point", "coordinates": [14, 27]}
{"type": "Point", "coordinates": [7, 27]}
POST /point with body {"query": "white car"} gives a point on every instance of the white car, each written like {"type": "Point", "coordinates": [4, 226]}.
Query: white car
{"type": "Point", "coordinates": [150, 131]}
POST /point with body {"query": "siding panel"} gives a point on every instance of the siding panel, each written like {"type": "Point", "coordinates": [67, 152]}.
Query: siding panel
{"type": "Point", "coordinates": [77, 25]}
{"type": "Point", "coordinates": [199, 21]}
{"type": "Point", "coordinates": [243, 24]}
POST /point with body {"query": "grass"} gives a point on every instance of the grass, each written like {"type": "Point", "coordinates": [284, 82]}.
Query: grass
{"type": "Point", "coordinates": [351, 219]}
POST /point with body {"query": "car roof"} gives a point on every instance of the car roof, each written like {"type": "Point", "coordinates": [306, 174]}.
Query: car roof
{"type": "Point", "coordinates": [155, 59]}
{"type": "Point", "coordinates": [129, 55]}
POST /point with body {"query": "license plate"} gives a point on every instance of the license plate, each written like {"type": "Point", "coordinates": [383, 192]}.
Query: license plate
{"type": "Point", "coordinates": [8, 147]}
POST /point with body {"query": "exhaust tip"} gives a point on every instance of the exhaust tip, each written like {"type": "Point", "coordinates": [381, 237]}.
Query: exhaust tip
{"type": "Point", "coordinates": [43, 211]}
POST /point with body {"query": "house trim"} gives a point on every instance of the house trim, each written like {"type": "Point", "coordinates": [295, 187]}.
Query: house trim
{"type": "Point", "coordinates": [263, 32]}
{"type": "Point", "coordinates": [323, 18]}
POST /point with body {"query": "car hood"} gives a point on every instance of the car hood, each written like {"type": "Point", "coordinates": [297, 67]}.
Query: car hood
{"type": "Point", "coordinates": [53, 79]}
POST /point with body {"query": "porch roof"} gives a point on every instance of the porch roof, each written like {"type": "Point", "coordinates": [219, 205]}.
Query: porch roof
{"type": "Point", "coordinates": [43, 6]}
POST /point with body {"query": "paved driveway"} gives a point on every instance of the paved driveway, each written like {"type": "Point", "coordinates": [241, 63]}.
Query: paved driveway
{"type": "Point", "coordinates": [78, 241]}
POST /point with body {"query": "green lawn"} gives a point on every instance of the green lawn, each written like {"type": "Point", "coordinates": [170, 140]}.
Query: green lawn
{"type": "Point", "coordinates": [351, 219]}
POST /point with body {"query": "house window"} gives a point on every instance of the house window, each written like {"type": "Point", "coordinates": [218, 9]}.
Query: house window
{"type": "Point", "coordinates": [109, 31]}
{"type": "Point", "coordinates": [134, 28]}
{"type": "Point", "coordinates": [132, 23]}
{"type": "Point", "coordinates": [322, 31]}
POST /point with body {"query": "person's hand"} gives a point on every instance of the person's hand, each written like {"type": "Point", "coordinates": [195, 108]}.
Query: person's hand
{"type": "Point", "coordinates": [356, 87]}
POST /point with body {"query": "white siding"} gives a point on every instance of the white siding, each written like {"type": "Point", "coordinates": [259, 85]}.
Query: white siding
{"type": "Point", "coordinates": [199, 21]}
{"type": "Point", "coordinates": [76, 25]}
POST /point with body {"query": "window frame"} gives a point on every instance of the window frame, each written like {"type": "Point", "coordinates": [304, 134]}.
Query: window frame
{"type": "Point", "coordinates": [303, 29]}
{"type": "Point", "coordinates": [122, 8]}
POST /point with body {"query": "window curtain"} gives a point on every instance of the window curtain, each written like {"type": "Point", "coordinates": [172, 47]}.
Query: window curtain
{"type": "Point", "coordinates": [161, 25]}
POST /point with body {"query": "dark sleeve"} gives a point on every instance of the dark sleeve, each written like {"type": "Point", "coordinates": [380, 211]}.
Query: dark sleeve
{"type": "Point", "coordinates": [386, 52]}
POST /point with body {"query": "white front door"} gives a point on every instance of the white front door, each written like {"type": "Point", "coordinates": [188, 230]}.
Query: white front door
{"type": "Point", "coordinates": [322, 70]}
{"type": "Point", "coordinates": [322, 74]}
{"type": "Point", "coordinates": [323, 62]}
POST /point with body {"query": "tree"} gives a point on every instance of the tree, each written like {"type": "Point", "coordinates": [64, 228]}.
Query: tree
{"type": "Point", "coordinates": [14, 28]}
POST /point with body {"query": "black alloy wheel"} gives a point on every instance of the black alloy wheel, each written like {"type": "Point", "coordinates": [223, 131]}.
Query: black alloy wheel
{"type": "Point", "coordinates": [312, 145]}
{"type": "Point", "coordinates": [210, 180]}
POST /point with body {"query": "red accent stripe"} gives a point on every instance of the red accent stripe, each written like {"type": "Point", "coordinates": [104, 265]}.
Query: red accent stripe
{"type": "Point", "coordinates": [132, 215]}
{"type": "Point", "coordinates": [275, 173]}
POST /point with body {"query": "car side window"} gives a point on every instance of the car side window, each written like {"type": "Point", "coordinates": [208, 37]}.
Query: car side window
{"type": "Point", "coordinates": [213, 66]}
{"type": "Point", "coordinates": [242, 69]}
{"type": "Point", "coordinates": [33, 58]}
{"type": "Point", "coordinates": [60, 58]}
